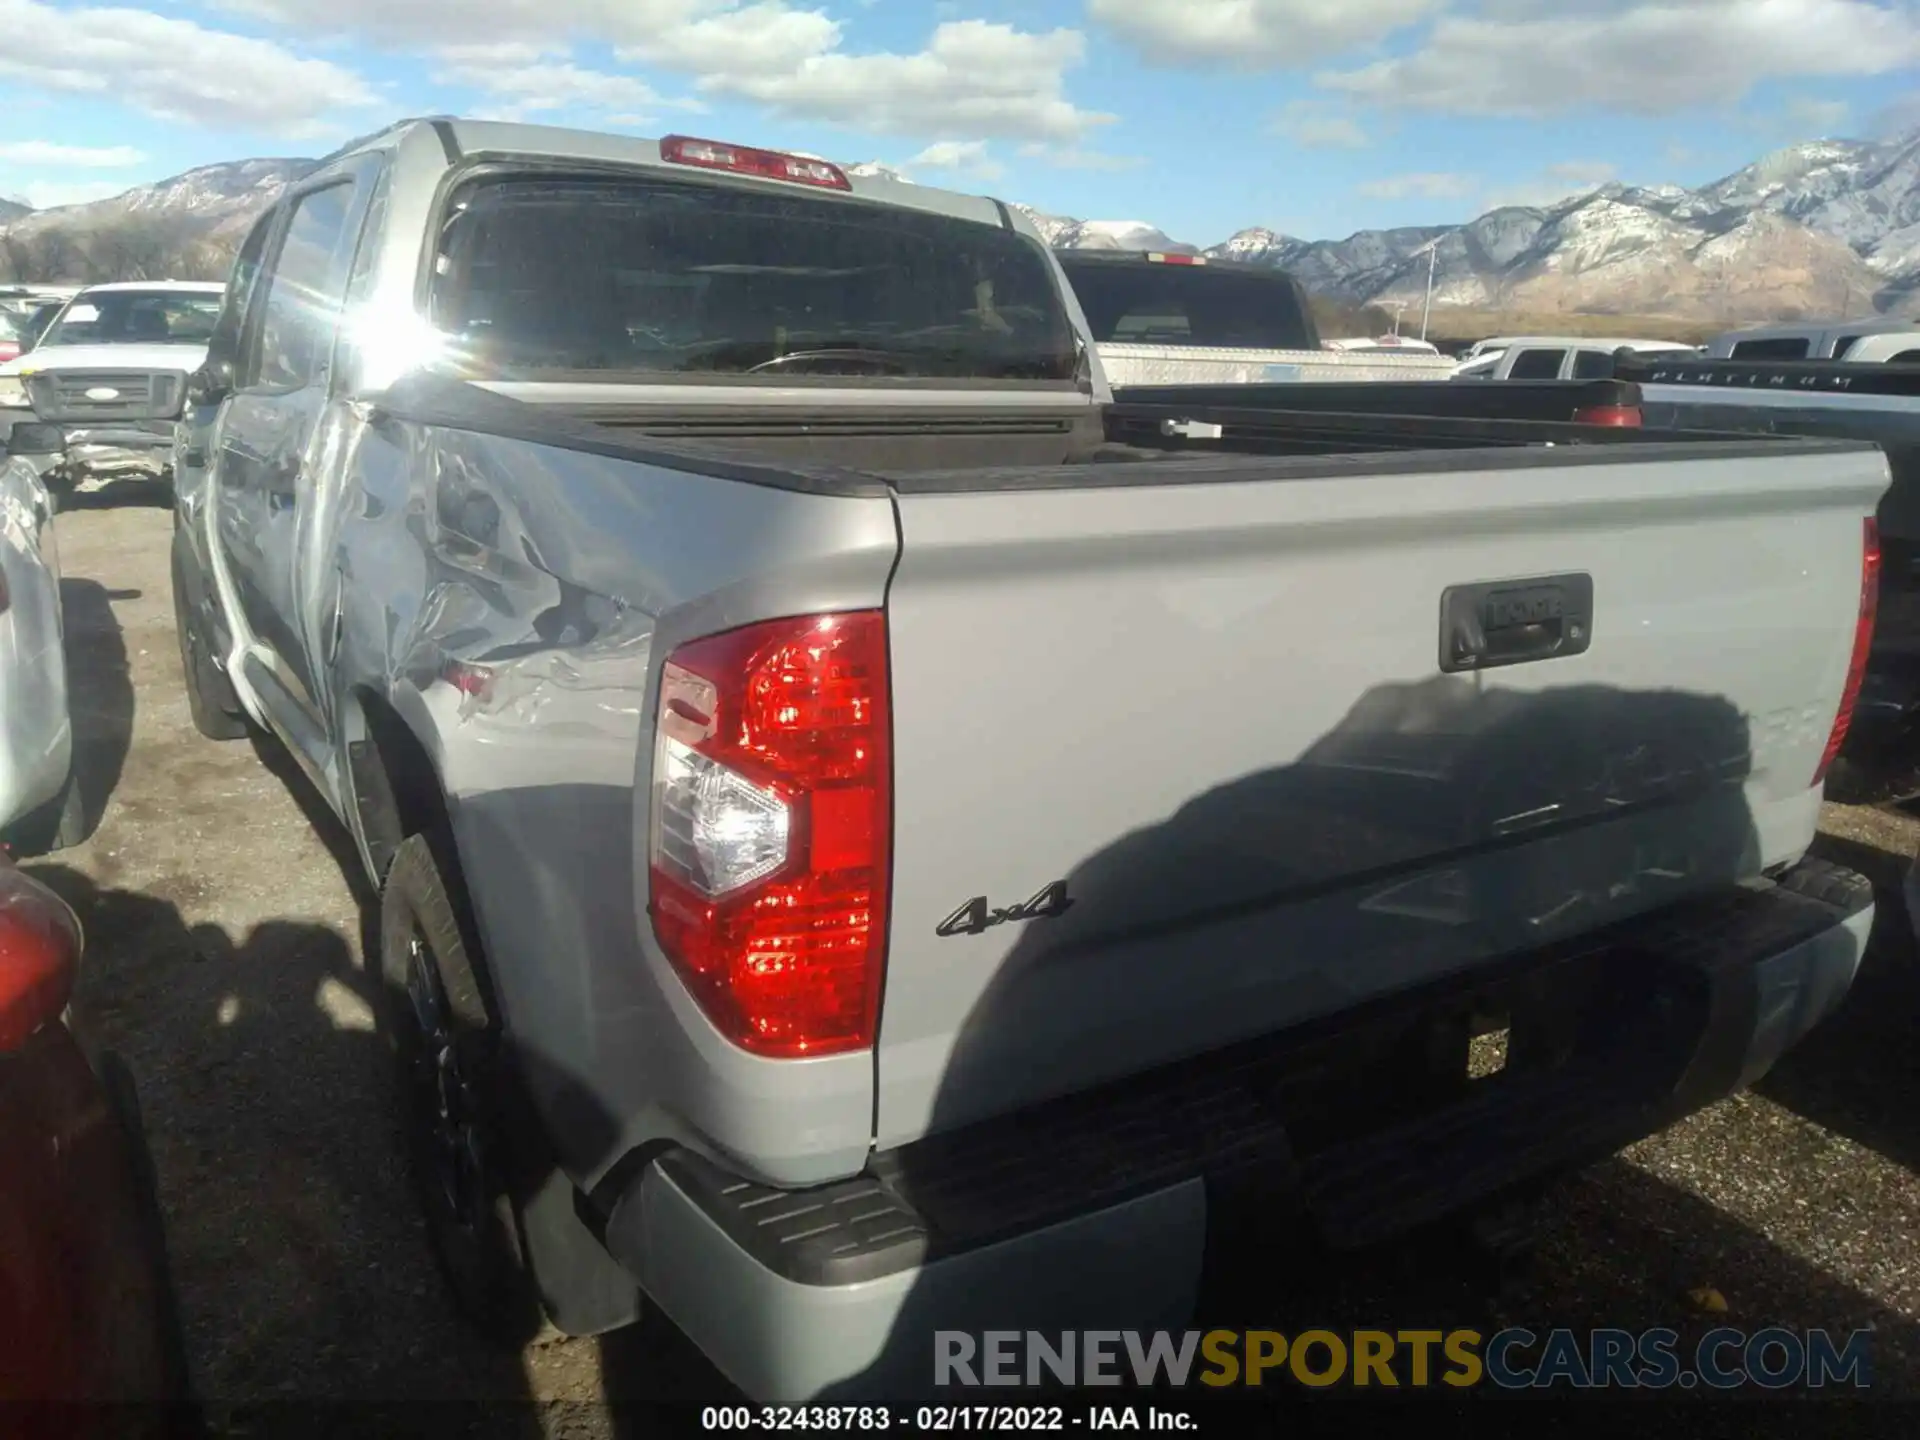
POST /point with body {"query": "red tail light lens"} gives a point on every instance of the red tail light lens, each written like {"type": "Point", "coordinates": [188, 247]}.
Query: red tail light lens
{"type": "Point", "coordinates": [1862, 644]}
{"type": "Point", "coordinates": [39, 956]}
{"type": "Point", "coordinates": [771, 835]}
{"type": "Point", "coordinates": [742, 160]}
{"type": "Point", "coordinates": [1624, 415]}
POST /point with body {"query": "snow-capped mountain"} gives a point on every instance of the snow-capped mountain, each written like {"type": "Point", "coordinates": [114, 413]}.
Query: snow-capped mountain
{"type": "Point", "coordinates": [1063, 233]}
{"type": "Point", "coordinates": [1828, 225]}
{"type": "Point", "coordinates": [209, 200]}
{"type": "Point", "coordinates": [1825, 226]}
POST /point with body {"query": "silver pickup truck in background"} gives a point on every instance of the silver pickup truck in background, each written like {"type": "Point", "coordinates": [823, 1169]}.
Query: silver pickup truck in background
{"type": "Point", "coordinates": [876, 834]}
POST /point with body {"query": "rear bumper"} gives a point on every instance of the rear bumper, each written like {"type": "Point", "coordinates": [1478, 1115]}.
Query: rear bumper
{"type": "Point", "coordinates": [1095, 1212]}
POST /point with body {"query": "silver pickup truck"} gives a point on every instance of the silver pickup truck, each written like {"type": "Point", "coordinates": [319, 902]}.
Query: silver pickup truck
{"type": "Point", "coordinates": [875, 835]}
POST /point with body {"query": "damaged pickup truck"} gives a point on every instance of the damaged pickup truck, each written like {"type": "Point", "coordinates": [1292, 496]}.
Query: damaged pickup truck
{"type": "Point", "coordinates": [875, 834]}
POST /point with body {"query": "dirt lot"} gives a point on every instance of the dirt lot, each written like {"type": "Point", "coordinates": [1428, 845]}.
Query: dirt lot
{"type": "Point", "coordinates": [223, 962]}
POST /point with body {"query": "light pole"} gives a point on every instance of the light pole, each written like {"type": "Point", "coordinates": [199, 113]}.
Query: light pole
{"type": "Point", "coordinates": [1433, 259]}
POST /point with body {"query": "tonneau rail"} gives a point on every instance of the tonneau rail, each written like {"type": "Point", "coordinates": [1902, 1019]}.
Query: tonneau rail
{"type": "Point", "coordinates": [1820, 376]}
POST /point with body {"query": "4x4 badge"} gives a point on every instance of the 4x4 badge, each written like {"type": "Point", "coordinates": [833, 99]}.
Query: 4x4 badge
{"type": "Point", "coordinates": [977, 916]}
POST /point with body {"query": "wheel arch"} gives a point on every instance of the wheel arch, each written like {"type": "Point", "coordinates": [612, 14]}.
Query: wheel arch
{"type": "Point", "coordinates": [395, 786]}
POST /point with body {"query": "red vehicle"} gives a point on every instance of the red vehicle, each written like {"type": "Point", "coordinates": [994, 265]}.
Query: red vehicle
{"type": "Point", "coordinates": [86, 1308]}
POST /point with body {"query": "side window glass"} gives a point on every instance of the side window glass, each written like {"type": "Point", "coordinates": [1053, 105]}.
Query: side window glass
{"type": "Point", "coordinates": [366, 256]}
{"type": "Point", "coordinates": [300, 305]}
{"type": "Point", "coordinates": [1592, 365]}
{"type": "Point", "coordinates": [230, 330]}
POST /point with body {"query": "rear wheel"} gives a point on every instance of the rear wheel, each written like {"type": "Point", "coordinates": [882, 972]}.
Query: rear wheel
{"type": "Point", "coordinates": [452, 1090]}
{"type": "Point", "coordinates": [211, 702]}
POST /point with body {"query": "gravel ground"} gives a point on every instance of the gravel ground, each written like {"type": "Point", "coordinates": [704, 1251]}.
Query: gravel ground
{"type": "Point", "coordinates": [224, 963]}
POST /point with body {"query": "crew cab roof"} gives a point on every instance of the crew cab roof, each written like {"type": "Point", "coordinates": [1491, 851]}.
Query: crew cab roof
{"type": "Point", "coordinates": [179, 287]}
{"type": "Point", "coordinates": [560, 144]}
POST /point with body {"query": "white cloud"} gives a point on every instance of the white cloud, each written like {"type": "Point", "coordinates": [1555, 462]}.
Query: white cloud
{"type": "Point", "coordinates": [1428, 185]}
{"type": "Point", "coordinates": [1313, 125]}
{"type": "Point", "coordinates": [966, 157]}
{"type": "Point", "coordinates": [527, 82]}
{"type": "Point", "coordinates": [1526, 57]}
{"type": "Point", "coordinates": [975, 78]}
{"type": "Point", "coordinates": [173, 69]}
{"type": "Point", "coordinates": [981, 79]}
{"type": "Point", "coordinates": [73, 157]}
{"type": "Point", "coordinates": [1812, 119]}
{"type": "Point", "coordinates": [50, 194]}
{"type": "Point", "coordinates": [1255, 34]}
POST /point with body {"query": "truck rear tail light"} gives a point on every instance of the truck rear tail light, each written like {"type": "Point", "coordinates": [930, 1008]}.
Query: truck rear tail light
{"type": "Point", "coordinates": [1160, 257]}
{"type": "Point", "coordinates": [743, 160]}
{"type": "Point", "coordinates": [1862, 644]}
{"type": "Point", "coordinates": [771, 829]}
{"type": "Point", "coordinates": [39, 957]}
{"type": "Point", "coordinates": [1623, 415]}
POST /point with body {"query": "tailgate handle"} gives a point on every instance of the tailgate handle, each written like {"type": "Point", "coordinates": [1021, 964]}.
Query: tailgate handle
{"type": "Point", "coordinates": [1515, 622]}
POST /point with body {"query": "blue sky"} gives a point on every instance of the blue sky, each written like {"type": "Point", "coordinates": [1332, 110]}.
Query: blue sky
{"type": "Point", "coordinates": [1313, 117]}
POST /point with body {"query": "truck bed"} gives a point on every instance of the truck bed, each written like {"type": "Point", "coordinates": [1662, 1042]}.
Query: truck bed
{"type": "Point", "coordinates": [1148, 436]}
{"type": "Point", "coordinates": [1207, 686]}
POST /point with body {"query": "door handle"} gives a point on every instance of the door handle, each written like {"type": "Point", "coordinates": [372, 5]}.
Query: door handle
{"type": "Point", "coordinates": [1514, 622]}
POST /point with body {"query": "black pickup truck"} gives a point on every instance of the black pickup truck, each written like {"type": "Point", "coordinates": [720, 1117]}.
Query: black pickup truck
{"type": "Point", "coordinates": [1831, 399]}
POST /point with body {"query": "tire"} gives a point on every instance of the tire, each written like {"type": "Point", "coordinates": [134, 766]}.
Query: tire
{"type": "Point", "coordinates": [453, 1091]}
{"type": "Point", "coordinates": [211, 702]}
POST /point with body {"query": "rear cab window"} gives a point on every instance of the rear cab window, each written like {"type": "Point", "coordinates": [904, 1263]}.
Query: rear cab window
{"type": "Point", "coordinates": [1218, 307]}
{"type": "Point", "coordinates": [540, 278]}
{"type": "Point", "coordinates": [1782, 347]}
{"type": "Point", "coordinates": [1537, 365]}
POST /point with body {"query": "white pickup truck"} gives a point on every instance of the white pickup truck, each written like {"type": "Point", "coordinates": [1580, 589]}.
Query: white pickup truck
{"type": "Point", "coordinates": [1172, 319]}
{"type": "Point", "coordinates": [1556, 357]}
{"type": "Point", "coordinates": [876, 835]}
{"type": "Point", "coordinates": [111, 371]}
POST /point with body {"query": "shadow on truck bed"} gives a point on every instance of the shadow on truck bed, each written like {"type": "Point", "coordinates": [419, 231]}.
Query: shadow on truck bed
{"type": "Point", "coordinates": [1373, 1122]}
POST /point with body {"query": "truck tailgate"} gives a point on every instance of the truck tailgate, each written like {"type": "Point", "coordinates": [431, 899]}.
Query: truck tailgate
{"type": "Point", "coordinates": [1178, 765]}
